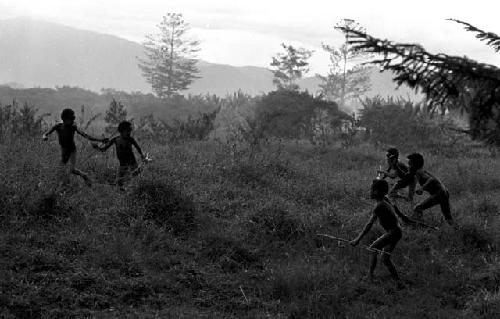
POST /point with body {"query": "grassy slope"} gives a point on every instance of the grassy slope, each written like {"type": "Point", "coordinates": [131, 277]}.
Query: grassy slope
{"type": "Point", "coordinates": [232, 235]}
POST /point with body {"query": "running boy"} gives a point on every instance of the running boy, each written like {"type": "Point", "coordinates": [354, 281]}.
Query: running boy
{"type": "Point", "coordinates": [387, 217]}
{"type": "Point", "coordinates": [124, 152]}
{"type": "Point", "coordinates": [398, 169]}
{"type": "Point", "coordinates": [66, 134]}
{"type": "Point", "coordinates": [438, 193]}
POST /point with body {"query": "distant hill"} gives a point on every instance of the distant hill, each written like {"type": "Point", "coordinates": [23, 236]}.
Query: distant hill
{"type": "Point", "coordinates": [43, 54]}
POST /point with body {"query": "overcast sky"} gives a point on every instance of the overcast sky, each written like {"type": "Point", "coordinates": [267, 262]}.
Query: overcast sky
{"type": "Point", "coordinates": [249, 33]}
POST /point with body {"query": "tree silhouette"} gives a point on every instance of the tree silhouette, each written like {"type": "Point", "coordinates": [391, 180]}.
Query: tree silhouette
{"type": "Point", "coordinates": [290, 66]}
{"type": "Point", "coordinates": [449, 82]}
{"type": "Point", "coordinates": [347, 79]}
{"type": "Point", "coordinates": [170, 64]}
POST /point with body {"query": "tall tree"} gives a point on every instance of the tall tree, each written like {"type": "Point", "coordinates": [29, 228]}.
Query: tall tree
{"type": "Point", "coordinates": [447, 81]}
{"type": "Point", "coordinates": [290, 67]}
{"type": "Point", "coordinates": [170, 64]}
{"type": "Point", "coordinates": [346, 80]}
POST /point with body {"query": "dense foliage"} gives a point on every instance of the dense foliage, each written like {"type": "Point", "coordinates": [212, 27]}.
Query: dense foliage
{"type": "Point", "coordinates": [290, 66]}
{"type": "Point", "coordinates": [292, 114]}
{"type": "Point", "coordinates": [449, 82]}
{"type": "Point", "coordinates": [410, 126]}
{"type": "Point", "coordinates": [170, 63]}
{"type": "Point", "coordinates": [347, 79]}
{"type": "Point", "coordinates": [137, 104]}
{"type": "Point", "coordinates": [16, 121]}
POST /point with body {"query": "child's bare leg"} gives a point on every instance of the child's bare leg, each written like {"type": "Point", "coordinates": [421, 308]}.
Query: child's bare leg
{"type": "Point", "coordinates": [393, 240]}
{"type": "Point", "coordinates": [63, 174]}
{"type": "Point", "coordinates": [373, 264]}
{"type": "Point", "coordinates": [445, 208]}
{"type": "Point", "coordinates": [123, 172]}
{"type": "Point", "coordinates": [386, 242]}
{"type": "Point", "coordinates": [63, 171]}
{"type": "Point", "coordinates": [73, 170]}
{"type": "Point", "coordinates": [377, 244]}
{"type": "Point", "coordinates": [427, 203]}
{"type": "Point", "coordinates": [386, 259]}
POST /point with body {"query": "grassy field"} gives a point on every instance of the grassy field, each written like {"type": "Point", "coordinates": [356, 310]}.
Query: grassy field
{"type": "Point", "coordinates": [212, 231]}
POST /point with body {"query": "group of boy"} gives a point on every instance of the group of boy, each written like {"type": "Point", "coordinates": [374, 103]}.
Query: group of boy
{"type": "Point", "coordinates": [384, 210]}
{"type": "Point", "coordinates": [123, 144]}
{"type": "Point", "coordinates": [387, 213]}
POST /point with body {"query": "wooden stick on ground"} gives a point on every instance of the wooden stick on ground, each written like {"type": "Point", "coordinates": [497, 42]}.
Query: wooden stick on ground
{"type": "Point", "coordinates": [243, 293]}
{"type": "Point", "coordinates": [375, 250]}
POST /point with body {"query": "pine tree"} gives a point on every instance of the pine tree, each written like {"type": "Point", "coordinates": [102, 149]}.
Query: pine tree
{"type": "Point", "coordinates": [290, 67]}
{"type": "Point", "coordinates": [449, 82]}
{"type": "Point", "coordinates": [170, 64]}
{"type": "Point", "coordinates": [346, 80]}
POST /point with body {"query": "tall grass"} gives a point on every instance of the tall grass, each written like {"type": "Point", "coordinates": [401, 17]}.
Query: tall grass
{"type": "Point", "coordinates": [206, 231]}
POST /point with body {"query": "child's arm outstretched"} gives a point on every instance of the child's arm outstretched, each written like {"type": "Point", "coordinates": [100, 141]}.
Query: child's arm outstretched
{"type": "Point", "coordinates": [45, 136]}
{"type": "Point", "coordinates": [367, 228]}
{"type": "Point", "coordinates": [105, 147]}
{"type": "Point", "coordinates": [90, 138]}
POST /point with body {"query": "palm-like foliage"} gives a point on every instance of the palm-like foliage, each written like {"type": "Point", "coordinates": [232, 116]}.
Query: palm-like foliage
{"type": "Point", "coordinates": [448, 81]}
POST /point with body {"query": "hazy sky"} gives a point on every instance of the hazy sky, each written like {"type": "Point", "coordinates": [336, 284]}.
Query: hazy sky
{"type": "Point", "coordinates": [249, 33]}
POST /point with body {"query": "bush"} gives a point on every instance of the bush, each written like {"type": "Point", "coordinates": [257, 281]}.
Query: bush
{"type": "Point", "coordinates": [193, 128]}
{"type": "Point", "coordinates": [291, 114]}
{"type": "Point", "coordinates": [18, 121]}
{"type": "Point", "coordinates": [402, 123]}
{"type": "Point", "coordinates": [195, 119]}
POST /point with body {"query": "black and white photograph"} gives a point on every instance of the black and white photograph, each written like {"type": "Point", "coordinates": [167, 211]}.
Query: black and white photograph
{"type": "Point", "coordinates": [262, 159]}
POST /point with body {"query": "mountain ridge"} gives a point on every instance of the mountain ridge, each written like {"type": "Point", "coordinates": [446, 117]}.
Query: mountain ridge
{"type": "Point", "coordinates": [47, 54]}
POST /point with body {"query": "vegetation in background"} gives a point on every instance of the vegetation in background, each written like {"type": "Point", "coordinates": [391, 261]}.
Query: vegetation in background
{"type": "Point", "coordinates": [449, 82]}
{"type": "Point", "coordinates": [17, 122]}
{"type": "Point", "coordinates": [115, 114]}
{"type": "Point", "coordinates": [220, 228]}
{"type": "Point", "coordinates": [297, 115]}
{"type": "Point", "coordinates": [52, 101]}
{"type": "Point", "coordinates": [170, 64]}
{"type": "Point", "coordinates": [410, 126]}
{"type": "Point", "coordinates": [347, 79]}
{"type": "Point", "coordinates": [289, 67]}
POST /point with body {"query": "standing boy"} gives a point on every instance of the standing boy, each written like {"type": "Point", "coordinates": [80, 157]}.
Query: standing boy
{"type": "Point", "coordinates": [66, 134]}
{"type": "Point", "coordinates": [387, 217]}
{"type": "Point", "coordinates": [124, 152]}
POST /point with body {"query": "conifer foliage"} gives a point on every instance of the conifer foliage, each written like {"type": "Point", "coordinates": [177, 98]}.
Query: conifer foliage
{"type": "Point", "coordinates": [449, 82]}
{"type": "Point", "coordinates": [171, 64]}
